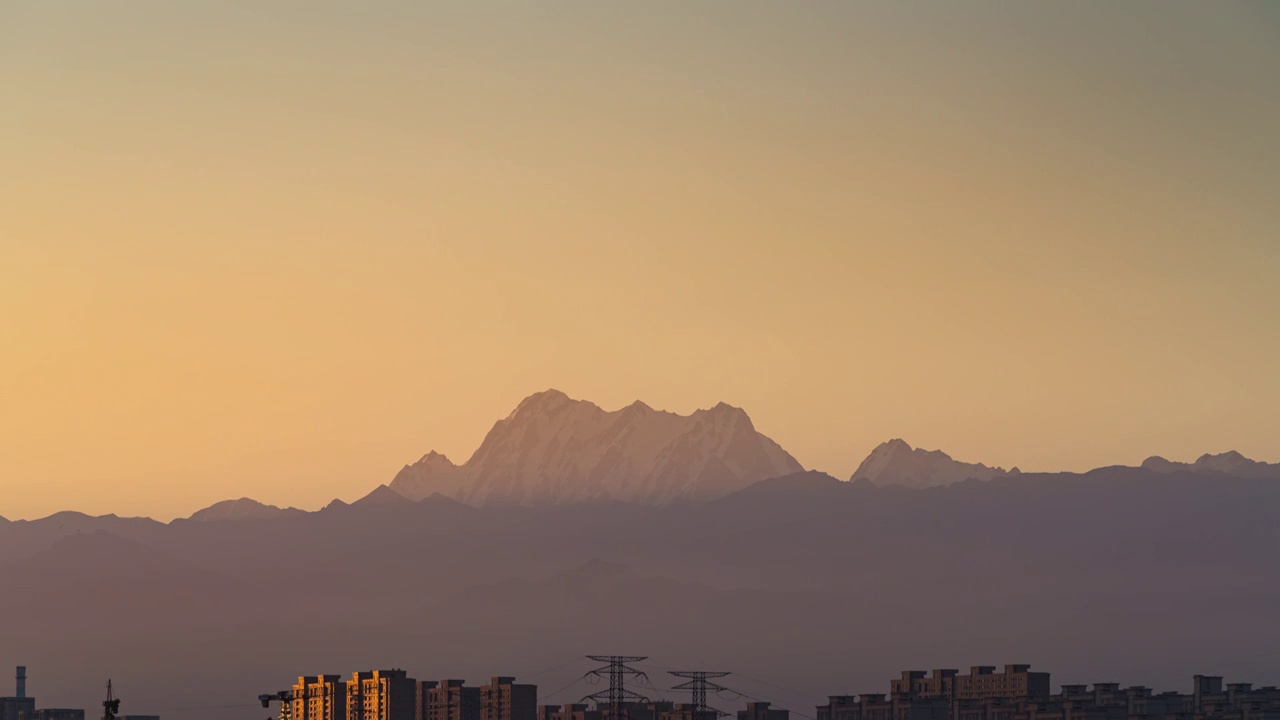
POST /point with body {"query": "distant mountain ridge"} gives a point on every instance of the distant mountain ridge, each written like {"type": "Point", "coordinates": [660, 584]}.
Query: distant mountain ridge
{"type": "Point", "coordinates": [554, 450]}
{"type": "Point", "coordinates": [242, 509]}
{"type": "Point", "coordinates": [1110, 562]}
{"type": "Point", "coordinates": [1227, 463]}
{"type": "Point", "coordinates": [897, 463]}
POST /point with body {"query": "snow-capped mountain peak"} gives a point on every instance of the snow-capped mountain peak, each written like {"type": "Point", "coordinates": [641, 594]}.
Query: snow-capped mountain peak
{"type": "Point", "coordinates": [553, 450]}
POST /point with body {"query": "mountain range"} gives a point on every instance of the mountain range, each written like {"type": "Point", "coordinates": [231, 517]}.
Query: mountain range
{"type": "Point", "coordinates": [694, 539]}
{"type": "Point", "coordinates": [555, 451]}
{"type": "Point", "coordinates": [1228, 463]}
{"type": "Point", "coordinates": [811, 582]}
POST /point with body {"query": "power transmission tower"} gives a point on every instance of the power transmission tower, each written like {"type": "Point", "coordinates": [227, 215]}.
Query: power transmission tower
{"type": "Point", "coordinates": [617, 670]}
{"type": "Point", "coordinates": [699, 682]}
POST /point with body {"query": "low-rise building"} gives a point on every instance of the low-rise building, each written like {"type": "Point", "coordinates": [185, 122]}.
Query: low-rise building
{"type": "Point", "coordinates": [23, 707]}
{"type": "Point", "coordinates": [59, 714]}
{"type": "Point", "coordinates": [17, 708]}
{"type": "Point", "coordinates": [1018, 694]}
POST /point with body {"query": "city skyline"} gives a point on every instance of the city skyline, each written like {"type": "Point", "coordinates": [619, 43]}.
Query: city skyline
{"type": "Point", "coordinates": [279, 251]}
{"type": "Point", "coordinates": [984, 692]}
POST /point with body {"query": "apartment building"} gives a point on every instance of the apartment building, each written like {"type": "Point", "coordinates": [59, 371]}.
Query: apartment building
{"type": "Point", "coordinates": [452, 700]}
{"type": "Point", "coordinates": [319, 697]}
{"type": "Point", "coordinates": [1019, 694]}
{"type": "Point", "coordinates": [763, 711]}
{"type": "Point", "coordinates": [383, 695]}
{"type": "Point", "coordinates": [503, 699]}
{"type": "Point", "coordinates": [568, 712]}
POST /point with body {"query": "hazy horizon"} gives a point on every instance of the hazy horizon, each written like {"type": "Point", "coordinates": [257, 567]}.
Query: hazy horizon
{"type": "Point", "coordinates": [362, 491]}
{"type": "Point", "coordinates": [279, 251]}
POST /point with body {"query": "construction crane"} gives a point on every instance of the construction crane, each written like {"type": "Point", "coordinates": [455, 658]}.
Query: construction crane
{"type": "Point", "coordinates": [110, 706]}
{"type": "Point", "coordinates": [284, 697]}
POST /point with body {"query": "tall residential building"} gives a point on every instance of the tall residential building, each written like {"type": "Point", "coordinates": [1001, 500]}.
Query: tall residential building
{"type": "Point", "coordinates": [568, 712]}
{"type": "Point", "coordinates": [689, 711]}
{"type": "Point", "coordinates": [982, 682]}
{"type": "Point", "coordinates": [877, 706]}
{"type": "Point", "coordinates": [320, 697]}
{"type": "Point", "coordinates": [763, 711]}
{"type": "Point", "coordinates": [865, 706]}
{"type": "Point", "coordinates": [382, 695]}
{"type": "Point", "coordinates": [503, 699]}
{"type": "Point", "coordinates": [452, 700]}
{"type": "Point", "coordinates": [918, 684]}
{"type": "Point", "coordinates": [635, 710]}
{"type": "Point", "coordinates": [1204, 688]}
{"type": "Point", "coordinates": [1015, 682]}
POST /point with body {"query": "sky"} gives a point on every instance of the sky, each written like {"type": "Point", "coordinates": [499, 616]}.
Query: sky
{"type": "Point", "coordinates": [279, 250]}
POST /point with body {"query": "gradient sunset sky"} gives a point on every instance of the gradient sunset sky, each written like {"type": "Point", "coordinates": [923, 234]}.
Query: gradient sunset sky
{"type": "Point", "coordinates": [279, 249]}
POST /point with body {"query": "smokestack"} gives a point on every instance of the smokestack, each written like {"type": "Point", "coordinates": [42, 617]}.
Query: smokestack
{"type": "Point", "coordinates": [22, 681]}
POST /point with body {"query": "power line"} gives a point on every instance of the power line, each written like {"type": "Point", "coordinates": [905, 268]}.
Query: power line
{"type": "Point", "coordinates": [805, 696]}
{"type": "Point", "coordinates": [739, 694]}
{"type": "Point", "coordinates": [548, 696]}
{"type": "Point", "coordinates": [780, 707]}
{"type": "Point", "coordinates": [544, 671]}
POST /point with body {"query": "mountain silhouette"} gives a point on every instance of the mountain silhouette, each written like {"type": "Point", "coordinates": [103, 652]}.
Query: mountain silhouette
{"type": "Point", "coordinates": [554, 450]}
{"type": "Point", "coordinates": [1228, 463]}
{"type": "Point", "coordinates": [897, 463]}
{"type": "Point", "coordinates": [242, 509]}
{"type": "Point", "coordinates": [681, 536]}
{"type": "Point", "coordinates": [777, 579]}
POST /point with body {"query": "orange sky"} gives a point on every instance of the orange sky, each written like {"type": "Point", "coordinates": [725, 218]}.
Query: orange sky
{"type": "Point", "coordinates": [281, 249]}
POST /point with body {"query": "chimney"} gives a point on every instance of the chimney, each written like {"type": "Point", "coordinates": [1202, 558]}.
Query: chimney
{"type": "Point", "coordinates": [22, 681]}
